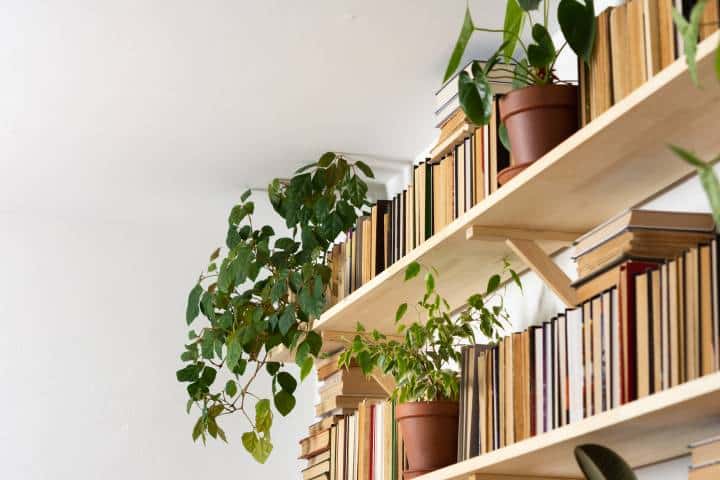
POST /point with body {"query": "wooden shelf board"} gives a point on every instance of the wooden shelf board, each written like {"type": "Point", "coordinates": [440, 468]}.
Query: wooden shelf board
{"type": "Point", "coordinates": [646, 431]}
{"type": "Point", "coordinates": [616, 162]}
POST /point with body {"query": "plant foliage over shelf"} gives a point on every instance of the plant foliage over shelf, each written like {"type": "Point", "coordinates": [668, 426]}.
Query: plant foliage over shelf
{"type": "Point", "coordinates": [261, 291]}
{"type": "Point", "coordinates": [536, 63]}
{"type": "Point", "coordinates": [422, 362]}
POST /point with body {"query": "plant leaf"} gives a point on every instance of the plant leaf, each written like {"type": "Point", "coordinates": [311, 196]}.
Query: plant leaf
{"type": "Point", "coordinates": [542, 53]}
{"type": "Point", "coordinates": [193, 304]}
{"type": "Point", "coordinates": [287, 382]}
{"type": "Point", "coordinates": [306, 367]}
{"type": "Point", "coordinates": [465, 33]}
{"type": "Point", "coordinates": [400, 312]}
{"type": "Point", "coordinates": [412, 271]}
{"type": "Point", "coordinates": [579, 26]}
{"type": "Point", "coordinates": [493, 284]}
{"type": "Point", "coordinates": [514, 19]}
{"type": "Point", "coordinates": [708, 179]}
{"type": "Point", "coordinates": [689, 31]}
{"type": "Point", "coordinates": [504, 138]}
{"type": "Point", "coordinates": [601, 463]}
{"type": "Point", "coordinates": [326, 159]}
{"type": "Point", "coordinates": [284, 402]}
{"type": "Point", "coordinates": [475, 95]}
{"type": "Point", "coordinates": [231, 388]}
{"type": "Point", "coordinates": [365, 169]}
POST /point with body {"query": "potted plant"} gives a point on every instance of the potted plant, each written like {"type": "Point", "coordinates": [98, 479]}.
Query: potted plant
{"type": "Point", "coordinates": [262, 291]}
{"type": "Point", "coordinates": [541, 111]}
{"type": "Point", "coordinates": [423, 365]}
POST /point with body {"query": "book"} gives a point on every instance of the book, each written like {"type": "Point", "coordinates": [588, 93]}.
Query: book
{"type": "Point", "coordinates": [315, 444]}
{"type": "Point", "coordinates": [705, 451]}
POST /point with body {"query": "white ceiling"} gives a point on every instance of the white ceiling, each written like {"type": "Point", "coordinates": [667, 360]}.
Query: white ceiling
{"type": "Point", "coordinates": [116, 108]}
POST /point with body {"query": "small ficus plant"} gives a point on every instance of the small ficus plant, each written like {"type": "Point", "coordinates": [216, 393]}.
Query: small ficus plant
{"type": "Point", "coordinates": [261, 291]}
{"type": "Point", "coordinates": [422, 362]}
{"type": "Point", "coordinates": [534, 65]}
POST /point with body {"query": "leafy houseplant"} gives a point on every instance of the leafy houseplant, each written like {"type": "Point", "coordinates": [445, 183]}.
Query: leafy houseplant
{"type": "Point", "coordinates": [263, 292]}
{"type": "Point", "coordinates": [541, 110]}
{"type": "Point", "coordinates": [427, 385]}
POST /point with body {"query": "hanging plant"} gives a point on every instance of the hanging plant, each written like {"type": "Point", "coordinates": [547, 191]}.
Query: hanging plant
{"type": "Point", "coordinates": [261, 291]}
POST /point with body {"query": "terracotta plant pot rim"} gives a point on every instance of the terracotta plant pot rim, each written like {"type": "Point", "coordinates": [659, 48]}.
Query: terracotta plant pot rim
{"type": "Point", "coordinates": [438, 408]}
{"type": "Point", "coordinates": [566, 99]}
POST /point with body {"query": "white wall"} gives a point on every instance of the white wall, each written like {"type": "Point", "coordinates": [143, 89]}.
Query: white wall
{"type": "Point", "coordinates": [93, 324]}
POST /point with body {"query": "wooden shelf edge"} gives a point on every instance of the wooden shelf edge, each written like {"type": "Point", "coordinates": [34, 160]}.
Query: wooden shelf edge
{"type": "Point", "coordinates": [646, 409]}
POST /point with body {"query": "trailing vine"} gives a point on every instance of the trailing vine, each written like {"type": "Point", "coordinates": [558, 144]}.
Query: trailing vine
{"type": "Point", "coordinates": [261, 291]}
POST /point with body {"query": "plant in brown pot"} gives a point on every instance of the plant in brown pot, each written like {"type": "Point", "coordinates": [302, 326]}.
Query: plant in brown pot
{"type": "Point", "coordinates": [424, 365]}
{"type": "Point", "coordinates": [542, 110]}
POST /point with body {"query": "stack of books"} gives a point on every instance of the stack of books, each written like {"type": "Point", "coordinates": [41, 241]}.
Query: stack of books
{"type": "Point", "coordinates": [363, 445]}
{"type": "Point", "coordinates": [634, 41]}
{"type": "Point", "coordinates": [654, 325]}
{"type": "Point", "coordinates": [640, 235]}
{"type": "Point", "coordinates": [342, 390]}
{"type": "Point", "coordinates": [705, 456]}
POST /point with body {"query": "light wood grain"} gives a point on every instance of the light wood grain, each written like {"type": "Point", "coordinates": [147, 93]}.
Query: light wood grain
{"type": "Point", "coordinates": [617, 161]}
{"type": "Point", "coordinates": [478, 232]}
{"type": "Point", "coordinates": [646, 431]}
{"type": "Point", "coordinates": [533, 256]}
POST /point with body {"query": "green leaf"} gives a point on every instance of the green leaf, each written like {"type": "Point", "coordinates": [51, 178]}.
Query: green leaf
{"type": "Point", "coordinates": [272, 367]}
{"type": "Point", "coordinates": [400, 312]}
{"type": "Point", "coordinates": [504, 138]}
{"type": "Point", "coordinates": [263, 415]}
{"type": "Point", "coordinates": [326, 159]}
{"type": "Point", "coordinates": [306, 167]}
{"type": "Point", "coordinates": [475, 94]}
{"type": "Point", "coordinates": [193, 304]}
{"type": "Point", "coordinates": [302, 353]}
{"type": "Point", "coordinates": [198, 429]}
{"type": "Point", "coordinates": [601, 463]}
{"type": "Point", "coordinates": [690, 31]}
{"type": "Point", "coordinates": [365, 169]}
{"type": "Point", "coordinates": [429, 283]}
{"type": "Point", "coordinates": [234, 351]}
{"type": "Point", "coordinates": [578, 24]}
{"type": "Point", "coordinates": [284, 402]}
{"type": "Point", "coordinates": [287, 320]}
{"type": "Point", "coordinates": [246, 194]}
{"type": "Point", "coordinates": [188, 374]}
{"type": "Point", "coordinates": [542, 53]}
{"type": "Point", "coordinates": [412, 271]}
{"type": "Point", "coordinates": [516, 278]}
{"type": "Point", "coordinates": [259, 447]}
{"type": "Point", "coordinates": [708, 179]}
{"type": "Point", "coordinates": [315, 341]}
{"type": "Point", "coordinates": [456, 57]}
{"type": "Point", "coordinates": [287, 382]}
{"type": "Point", "coordinates": [493, 284]}
{"type": "Point", "coordinates": [306, 367]}
{"type": "Point", "coordinates": [529, 5]}
{"type": "Point", "coordinates": [208, 376]}
{"type": "Point", "coordinates": [231, 388]}
{"type": "Point", "coordinates": [365, 362]}
{"type": "Point", "coordinates": [215, 254]}
{"type": "Point", "coordinates": [514, 19]}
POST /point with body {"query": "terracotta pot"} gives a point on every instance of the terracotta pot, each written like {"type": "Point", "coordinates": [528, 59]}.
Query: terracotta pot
{"type": "Point", "coordinates": [430, 431]}
{"type": "Point", "coordinates": [537, 118]}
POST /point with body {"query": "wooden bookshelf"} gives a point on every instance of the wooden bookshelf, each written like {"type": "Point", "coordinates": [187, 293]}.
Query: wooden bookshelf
{"type": "Point", "coordinates": [646, 431]}
{"type": "Point", "coordinates": [616, 162]}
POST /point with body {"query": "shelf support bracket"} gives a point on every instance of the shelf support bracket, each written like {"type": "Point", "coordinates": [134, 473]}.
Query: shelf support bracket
{"type": "Point", "coordinates": [534, 257]}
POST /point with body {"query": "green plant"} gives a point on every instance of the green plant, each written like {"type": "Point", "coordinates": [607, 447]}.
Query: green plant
{"type": "Point", "coordinates": [690, 31]}
{"type": "Point", "coordinates": [261, 292]}
{"type": "Point", "coordinates": [421, 363]}
{"type": "Point", "coordinates": [601, 463]}
{"type": "Point", "coordinates": [535, 65]}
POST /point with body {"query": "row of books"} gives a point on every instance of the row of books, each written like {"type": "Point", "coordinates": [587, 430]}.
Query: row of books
{"type": "Point", "coordinates": [442, 190]}
{"type": "Point", "coordinates": [363, 445]}
{"type": "Point", "coordinates": [657, 326]}
{"type": "Point", "coordinates": [634, 41]}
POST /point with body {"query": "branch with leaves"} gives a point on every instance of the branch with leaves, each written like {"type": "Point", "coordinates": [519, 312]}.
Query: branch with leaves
{"type": "Point", "coordinates": [422, 362]}
{"type": "Point", "coordinates": [260, 292]}
{"type": "Point", "coordinates": [536, 63]}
